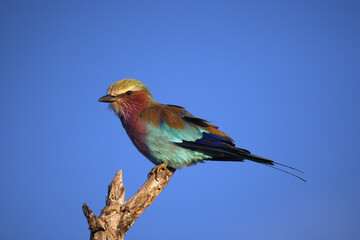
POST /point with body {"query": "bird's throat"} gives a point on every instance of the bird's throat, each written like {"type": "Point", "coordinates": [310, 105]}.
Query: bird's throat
{"type": "Point", "coordinates": [128, 109]}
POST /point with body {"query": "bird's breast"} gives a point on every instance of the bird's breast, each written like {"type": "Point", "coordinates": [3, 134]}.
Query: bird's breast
{"type": "Point", "coordinates": [137, 133]}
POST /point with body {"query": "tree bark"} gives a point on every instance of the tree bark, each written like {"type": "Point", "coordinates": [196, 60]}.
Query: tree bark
{"type": "Point", "coordinates": [118, 215]}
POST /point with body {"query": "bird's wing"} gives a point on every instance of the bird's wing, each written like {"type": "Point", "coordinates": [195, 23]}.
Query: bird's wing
{"type": "Point", "coordinates": [186, 130]}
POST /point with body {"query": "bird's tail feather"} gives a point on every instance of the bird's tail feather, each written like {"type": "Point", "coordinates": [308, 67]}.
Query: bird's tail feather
{"type": "Point", "coordinates": [262, 160]}
{"type": "Point", "coordinates": [242, 154]}
{"type": "Point", "coordinates": [230, 153]}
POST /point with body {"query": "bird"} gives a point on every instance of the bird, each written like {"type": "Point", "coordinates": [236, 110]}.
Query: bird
{"type": "Point", "coordinates": [171, 136]}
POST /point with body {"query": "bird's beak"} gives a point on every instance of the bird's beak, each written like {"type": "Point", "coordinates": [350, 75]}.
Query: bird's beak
{"type": "Point", "coordinates": [108, 98]}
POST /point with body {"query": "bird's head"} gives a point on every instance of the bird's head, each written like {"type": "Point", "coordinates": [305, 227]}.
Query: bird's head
{"type": "Point", "coordinates": [127, 96]}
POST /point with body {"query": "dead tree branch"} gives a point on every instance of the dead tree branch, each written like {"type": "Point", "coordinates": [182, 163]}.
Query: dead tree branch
{"type": "Point", "coordinates": [118, 215]}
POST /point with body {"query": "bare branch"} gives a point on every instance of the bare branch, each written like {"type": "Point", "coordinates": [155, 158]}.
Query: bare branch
{"type": "Point", "coordinates": [118, 215]}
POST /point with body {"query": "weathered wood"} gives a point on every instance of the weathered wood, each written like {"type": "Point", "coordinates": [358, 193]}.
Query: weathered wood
{"type": "Point", "coordinates": [118, 215]}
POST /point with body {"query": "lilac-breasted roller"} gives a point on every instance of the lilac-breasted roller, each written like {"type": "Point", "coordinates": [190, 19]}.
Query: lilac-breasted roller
{"type": "Point", "coordinates": [168, 133]}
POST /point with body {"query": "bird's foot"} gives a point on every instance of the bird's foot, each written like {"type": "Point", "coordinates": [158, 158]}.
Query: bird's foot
{"type": "Point", "coordinates": [157, 169]}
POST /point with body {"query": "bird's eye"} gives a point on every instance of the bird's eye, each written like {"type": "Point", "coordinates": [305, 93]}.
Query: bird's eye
{"type": "Point", "coordinates": [128, 93]}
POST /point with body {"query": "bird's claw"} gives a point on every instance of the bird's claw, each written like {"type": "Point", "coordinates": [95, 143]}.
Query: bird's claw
{"type": "Point", "coordinates": [157, 169]}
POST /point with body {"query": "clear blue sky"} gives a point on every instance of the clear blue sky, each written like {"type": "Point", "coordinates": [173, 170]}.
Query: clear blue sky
{"type": "Point", "coordinates": [281, 77]}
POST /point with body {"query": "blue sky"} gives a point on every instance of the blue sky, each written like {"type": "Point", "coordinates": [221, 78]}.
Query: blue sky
{"type": "Point", "coordinates": [281, 77]}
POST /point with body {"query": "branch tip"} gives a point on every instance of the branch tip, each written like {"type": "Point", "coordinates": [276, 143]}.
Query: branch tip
{"type": "Point", "coordinates": [116, 190]}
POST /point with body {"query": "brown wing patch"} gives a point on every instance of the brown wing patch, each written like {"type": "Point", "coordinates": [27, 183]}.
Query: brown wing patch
{"type": "Point", "coordinates": [151, 115]}
{"type": "Point", "coordinates": [171, 115]}
{"type": "Point", "coordinates": [174, 117]}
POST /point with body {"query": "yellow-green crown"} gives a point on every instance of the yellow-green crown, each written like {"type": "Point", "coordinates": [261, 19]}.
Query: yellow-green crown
{"type": "Point", "coordinates": [125, 85]}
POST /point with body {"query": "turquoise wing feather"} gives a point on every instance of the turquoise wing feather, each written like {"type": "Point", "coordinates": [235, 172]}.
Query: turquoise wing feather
{"type": "Point", "coordinates": [173, 126]}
